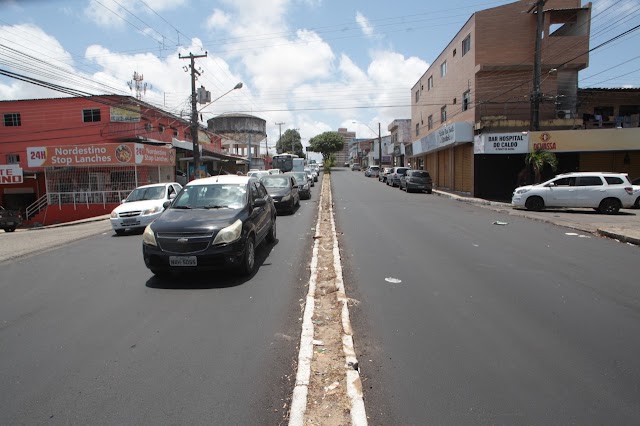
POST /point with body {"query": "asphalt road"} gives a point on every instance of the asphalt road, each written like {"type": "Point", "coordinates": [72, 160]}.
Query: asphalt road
{"type": "Point", "coordinates": [89, 336]}
{"type": "Point", "coordinates": [463, 321]}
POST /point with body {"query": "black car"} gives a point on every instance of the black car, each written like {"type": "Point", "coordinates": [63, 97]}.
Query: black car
{"type": "Point", "coordinates": [213, 223]}
{"type": "Point", "coordinates": [284, 191]}
{"type": "Point", "coordinates": [416, 180]}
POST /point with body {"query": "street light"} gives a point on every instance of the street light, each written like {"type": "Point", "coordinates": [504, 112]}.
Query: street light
{"type": "Point", "coordinates": [379, 142]}
{"type": "Point", "coordinates": [195, 126]}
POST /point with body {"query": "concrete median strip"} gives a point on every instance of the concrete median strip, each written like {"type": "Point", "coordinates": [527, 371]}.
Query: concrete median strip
{"type": "Point", "coordinates": [328, 388]}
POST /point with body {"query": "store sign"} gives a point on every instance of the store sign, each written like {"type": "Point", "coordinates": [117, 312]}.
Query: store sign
{"type": "Point", "coordinates": [593, 140]}
{"type": "Point", "coordinates": [501, 143]}
{"type": "Point", "coordinates": [11, 174]}
{"type": "Point", "coordinates": [100, 155]}
{"type": "Point", "coordinates": [128, 114]}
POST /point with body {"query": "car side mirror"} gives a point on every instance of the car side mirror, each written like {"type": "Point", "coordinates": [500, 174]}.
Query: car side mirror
{"type": "Point", "coordinates": [172, 196]}
{"type": "Point", "coordinates": [166, 204]}
{"type": "Point", "coordinates": [259, 202]}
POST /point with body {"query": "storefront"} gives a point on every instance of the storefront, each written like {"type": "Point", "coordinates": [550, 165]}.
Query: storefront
{"type": "Point", "coordinates": [447, 154]}
{"type": "Point", "coordinates": [88, 180]}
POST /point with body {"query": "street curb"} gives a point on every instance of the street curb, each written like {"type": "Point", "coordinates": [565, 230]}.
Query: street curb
{"type": "Point", "coordinates": [619, 237]}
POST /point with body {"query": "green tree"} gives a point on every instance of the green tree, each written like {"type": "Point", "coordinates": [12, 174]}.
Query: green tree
{"type": "Point", "coordinates": [290, 142]}
{"type": "Point", "coordinates": [538, 160]}
{"type": "Point", "coordinates": [327, 143]}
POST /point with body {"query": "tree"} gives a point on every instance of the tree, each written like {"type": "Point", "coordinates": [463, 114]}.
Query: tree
{"type": "Point", "coordinates": [327, 143]}
{"type": "Point", "coordinates": [290, 142]}
{"type": "Point", "coordinates": [538, 160]}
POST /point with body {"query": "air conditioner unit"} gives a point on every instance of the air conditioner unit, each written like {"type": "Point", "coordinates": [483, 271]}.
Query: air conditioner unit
{"type": "Point", "coordinates": [563, 113]}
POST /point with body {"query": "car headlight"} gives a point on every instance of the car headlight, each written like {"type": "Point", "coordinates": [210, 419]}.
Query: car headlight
{"type": "Point", "coordinates": [286, 197]}
{"type": "Point", "coordinates": [152, 210]}
{"type": "Point", "coordinates": [114, 215]}
{"type": "Point", "coordinates": [523, 191]}
{"type": "Point", "coordinates": [149, 237]}
{"type": "Point", "coordinates": [229, 234]}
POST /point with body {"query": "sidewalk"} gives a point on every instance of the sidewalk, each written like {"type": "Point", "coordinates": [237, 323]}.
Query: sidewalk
{"type": "Point", "coordinates": [624, 227]}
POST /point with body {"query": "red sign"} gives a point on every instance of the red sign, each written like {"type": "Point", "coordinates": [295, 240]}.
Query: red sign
{"type": "Point", "coordinates": [11, 174]}
{"type": "Point", "coordinates": [100, 155]}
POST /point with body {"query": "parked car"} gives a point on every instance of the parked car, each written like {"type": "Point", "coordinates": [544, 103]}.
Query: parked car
{"type": "Point", "coordinates": [304, 185]}
{"type": "Point", "coordinates": [382, 176]}
{"type": "Point", "coordinates": [602, 191]}
{"type": "Point", "coordinates": [416, 180]}
{"type": "Point", "coordinates": [10, 219]}
{"type": "Point", "coordinates": [214, 223]}
{"type": "Point", "coordinates": [636, 191]}
{"type": "Point", "coordinates": [143, 205]}
{"type": "Point", "coordinates": [372, 171]}
{"type": "Point", "coordinates": [310, 177]}
{"type": "Point", "coordinates": [346, 164]}
{"type": "Point", "coordinates": [283, 189]}
{"type": "Point", "coordinates": [355, 167]}
{"type": "Point", "coordinates": [393, 178]}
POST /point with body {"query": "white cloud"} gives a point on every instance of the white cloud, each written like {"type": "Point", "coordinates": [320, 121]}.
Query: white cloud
{"type": "Point", "coordinates": [112, 14]}
{"type": "Point", "coordinates": [364, 24]}
{"type": "Point", "coordinates": [218, 20]}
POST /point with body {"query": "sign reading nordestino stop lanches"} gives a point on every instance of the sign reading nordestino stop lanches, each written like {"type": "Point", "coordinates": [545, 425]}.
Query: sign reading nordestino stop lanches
{"type": "Point", "coordinates": [100, 155]}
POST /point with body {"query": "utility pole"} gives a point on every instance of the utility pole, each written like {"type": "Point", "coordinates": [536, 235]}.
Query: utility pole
{"type": "Point", "coordinates": [280, 139]}
{"type": "Point", "coordinates": [194, 113]}
{"type": "Point", "coordinates": [379, 148]}
{"type": "Point", "coordinates": [537, 67]}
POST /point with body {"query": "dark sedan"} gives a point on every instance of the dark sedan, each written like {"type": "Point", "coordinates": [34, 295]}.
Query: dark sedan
{"type": "Point", "coordinates": [284, 191]}
{"type": "Point", "coordinates": [213, 223]}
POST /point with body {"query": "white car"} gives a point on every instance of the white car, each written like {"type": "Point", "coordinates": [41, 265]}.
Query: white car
{"type": "Point", "coordinates": [311, 172]}
{"type": "Point", "coordinates": [274, 171]}
{"type": "Point", "coordinates": [143, 206]}
{"type": "Point", "coordinates": [258, 173]}
{"type": "Point", "coordinates": [602, 191]}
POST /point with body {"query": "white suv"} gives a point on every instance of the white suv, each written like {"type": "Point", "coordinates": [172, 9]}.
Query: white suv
{"type": "Point", "coordinates": [603, 191]}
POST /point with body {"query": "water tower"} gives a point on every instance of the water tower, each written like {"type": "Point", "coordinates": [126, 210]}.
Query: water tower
{"type": "Point", "coordinates": [241, 134]}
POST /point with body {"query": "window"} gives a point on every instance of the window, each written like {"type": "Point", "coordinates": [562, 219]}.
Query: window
{"type": "Point", "coordinates": [160, 128]}
{"type": "Point", "coordinates": [466, 45]}
{"type": "Point", "coordinates": [90, 115]}
{"type": "Point", "coordinates": [588, 181]}
{"type": "Point", "coordinates": [455, 101]}
{"type": "Point", "coordinates": [611, 180]}
{"type": "Point", "coordinates": [443, 69]}
{"type": "Point", "coordinates": [430, 83]}
{"type": "Point", "coordinates": [417, 95]}
{"type": "Point", "coordinates": [13, 159]}
{"type": "Point", "coordinates": [12, 120]}
{"type": "Point", "coordinates": [417, 128]}
{"type": "Point", "coordinates": [454, 52]}
{"type": "Point", "coordinates": [466, 100]}
{"type": "Point", "coordinates": [430, 122]}
{"type": "Point", "coordinates": [443, 114]}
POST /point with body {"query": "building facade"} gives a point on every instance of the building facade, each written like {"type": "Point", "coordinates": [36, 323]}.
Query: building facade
{"type": "Point", "coordinates": [481, 84]}
{"type": "Point", "coordinates": [72, 158]}
{"type": "Point", "coordinates": [342, 157]}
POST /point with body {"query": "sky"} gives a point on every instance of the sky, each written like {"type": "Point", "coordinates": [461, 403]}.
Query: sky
{"type": "Point", "coordinates": [311, 65]}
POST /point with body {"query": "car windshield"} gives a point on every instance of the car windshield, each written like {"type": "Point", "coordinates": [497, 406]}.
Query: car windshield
{"type": "Point", "coordinates": [275, 181]}
{"type": "Point", "coordinates": [150, 193]}
{"type": "Point", "coordinates": [212, 196]}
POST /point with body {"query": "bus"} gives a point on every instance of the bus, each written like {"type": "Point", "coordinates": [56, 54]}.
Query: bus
{"type": "Point", "coordinates": [285, 162]}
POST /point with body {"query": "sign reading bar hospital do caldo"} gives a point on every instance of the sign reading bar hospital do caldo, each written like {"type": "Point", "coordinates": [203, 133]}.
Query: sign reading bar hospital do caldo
{"type": "Point", "coordinates": [100, 155]}
{"type": "Point", "coordinates": [502, 143]}
{"type": "Point", "coordinates": [11, 173]}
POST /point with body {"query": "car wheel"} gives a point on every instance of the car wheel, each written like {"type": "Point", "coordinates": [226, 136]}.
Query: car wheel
{"type": "Point", "coordinates": [429, 191]}
{"type": "Point", "coordinates": [271, 236]}
{"type": "Point", "coordinates": [249, 258]}
{"type": "Point", "coordinates": [120, 231]}
{"type": "Point", "coordinates": [609, 206]}
{"type": "Point", "coordinates": [11, 229]}
{"type": "Point", "coordinates": [534, 203]}
{"type": "Point", "coordinates": [637, 204]}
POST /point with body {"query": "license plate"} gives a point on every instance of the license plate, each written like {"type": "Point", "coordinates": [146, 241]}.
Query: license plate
{"type": "Point", "coordinates": [130, 221]}
{"type": "Point", "coordinates": [183, 261]}
{"type": "Point", "coordinates": [10, 223]}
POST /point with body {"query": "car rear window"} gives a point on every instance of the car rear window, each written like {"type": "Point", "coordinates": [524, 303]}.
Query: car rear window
{"type": "Point", "coordinates": [402, 171]}
{"type": "Point", "coordinates": [613, 180]}
{"type": "Point", "coordinates": [420, 174]}
{"type": "Point", "coordinates": [588, 181]}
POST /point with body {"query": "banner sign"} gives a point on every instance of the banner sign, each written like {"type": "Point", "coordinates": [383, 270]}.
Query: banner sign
{"type": "Point", "coordinates": [100, 155]}
{"type": "Point", "coordinates": [625, 139]}
{"type": "Point", "coordinates": [130, 114]}
{"type": "Point", "coordinates": [501, 143]}
{"type": "Point", "coordinates": [11, 173]}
